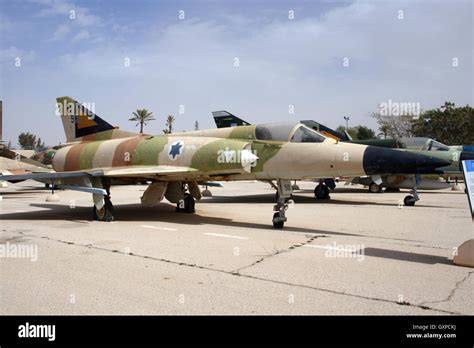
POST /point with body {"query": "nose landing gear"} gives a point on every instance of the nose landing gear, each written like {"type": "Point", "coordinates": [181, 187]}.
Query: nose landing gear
{"type": "Point", "coordinates": [410, 200]}
{"type": "Point", "coordinates": [284, 192]}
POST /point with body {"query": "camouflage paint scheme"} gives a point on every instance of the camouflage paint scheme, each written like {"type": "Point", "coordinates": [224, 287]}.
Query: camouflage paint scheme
{"type": "Point", "coordinates": [98, 155]}
{"type": "Point", "coordinates": [113, 148]}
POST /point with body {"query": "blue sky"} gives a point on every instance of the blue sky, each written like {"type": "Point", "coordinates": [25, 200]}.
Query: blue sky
{"type": "Point", "coordinates": [282, 61]}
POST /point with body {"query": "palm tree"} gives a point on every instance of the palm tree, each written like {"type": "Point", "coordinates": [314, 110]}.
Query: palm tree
{"type": "Point", "coordinates": [142, 117]}
{"type": "Point", "coordinates": [384, 129]}
{"type": "Point", "coordinates": [169, 124]}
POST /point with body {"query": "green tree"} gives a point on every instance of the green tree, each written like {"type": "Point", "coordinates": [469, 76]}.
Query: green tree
{"type": "Point", "coordinates": [365, 133]}
{"type": "Point", "coordinates": [169, 124]}
{"type": "Point", "coordinates": [28, 141]}
{"type": "Point", "coordinates": [448, 124]}
{"type": "Point", "coordinates": [352, 131]}
{"type": "Point", "coordinates": [358, 132]}
{"type": "Point", "coordinates": [384, 131]}
{"type": "Point", "coordinates": [40, 146]}
{"type": "Point", "coordinates": [142, 117]}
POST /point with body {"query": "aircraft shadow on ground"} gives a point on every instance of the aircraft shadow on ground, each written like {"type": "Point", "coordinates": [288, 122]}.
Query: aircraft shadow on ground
{"type": "Point", "coordinates": [166, 213]}
{"type": "Point", "coordinates": [407, 256]}
{"type": "Point", "coordinates": [270, 199]}
{"type": "Point", "coordinates": [161, 213]}
{"type": "Point", "coordinates": [299, 199]}
{"type": "Point", "coordinates": [362, 191]}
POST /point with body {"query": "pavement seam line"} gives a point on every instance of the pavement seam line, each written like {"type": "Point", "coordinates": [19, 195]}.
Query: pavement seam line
{"type": "Point", "coordinates": [453, 291]}
{"type": "Point", "coordinates": [90, 246]}
{"type": "Point", "coordinates": [291, 247]}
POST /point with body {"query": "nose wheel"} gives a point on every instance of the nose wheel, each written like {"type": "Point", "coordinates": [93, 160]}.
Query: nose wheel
{"type": "Point", "coordinates": [410, 200]}
{"type": "Point", "coordinates": [278, 220]}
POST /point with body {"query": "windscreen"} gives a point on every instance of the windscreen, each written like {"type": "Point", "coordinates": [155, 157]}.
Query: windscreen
{"type": "Point", "coordinates": [274, 131]}
{"type": "Point", "coordinates": [305, 135]}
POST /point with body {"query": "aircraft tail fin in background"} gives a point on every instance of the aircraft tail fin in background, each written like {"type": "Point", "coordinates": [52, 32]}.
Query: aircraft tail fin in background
{"type": "Point", "coordinates": [78, 120]}
{"type": "Point", "coordinates": [225, 119]}
{"type": "Point", "coordinates": [348, 136]}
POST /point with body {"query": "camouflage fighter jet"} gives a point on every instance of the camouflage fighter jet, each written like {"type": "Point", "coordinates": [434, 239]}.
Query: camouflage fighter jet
{"type": "Point", "coordinates": [98, 156]}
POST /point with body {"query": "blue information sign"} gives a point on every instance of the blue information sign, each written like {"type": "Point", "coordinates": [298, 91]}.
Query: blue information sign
{"type": "Point", "coordinates": [468, 170]}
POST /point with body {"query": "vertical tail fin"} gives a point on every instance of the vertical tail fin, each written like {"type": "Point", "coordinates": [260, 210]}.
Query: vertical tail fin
{"type": "Point", "coordinates": [226, 119]}
{"type": "Point", "coordinates": [78, 120]}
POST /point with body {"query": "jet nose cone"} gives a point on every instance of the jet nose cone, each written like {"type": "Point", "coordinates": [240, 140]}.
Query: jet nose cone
{"type": "Point", "coordinates": [378, 160]}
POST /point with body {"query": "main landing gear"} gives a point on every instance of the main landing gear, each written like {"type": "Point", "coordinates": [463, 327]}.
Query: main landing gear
{"type": "Point", "coordinates": [106, 213]}
{"type": "Point", "coordinates": [186, 205]}
{"type": "Point", "coordinates": [283, 193]}
{"type": "Point", "coordinates": [321, 191]}
{"type": "Point", "coordinates": [186, 193]}
{"type": "Point", "coordinates": [375, 188]}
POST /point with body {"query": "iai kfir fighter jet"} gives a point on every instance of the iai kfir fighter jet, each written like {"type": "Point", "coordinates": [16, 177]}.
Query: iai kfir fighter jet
{"type": "Point", "coordinates": [98, 156]}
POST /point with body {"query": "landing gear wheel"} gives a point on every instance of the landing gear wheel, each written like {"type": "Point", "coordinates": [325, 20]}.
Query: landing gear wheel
{"type": "Point", "coordinates": [375, 188]}
{"type": "Point", "coordinates": [409, 201]}
{"type": "Point", "coordinates": [321, 192]}
{"type": "Point", "coordinates": [277, 223]}
{"type": "Point", "coordinates": [189, 204]}
{"type": "Point", "coordinates": [106, 213]}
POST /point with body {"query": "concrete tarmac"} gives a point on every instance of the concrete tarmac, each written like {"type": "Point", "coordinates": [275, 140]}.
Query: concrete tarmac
{"type": "Point", "coordinates": [357, 253]}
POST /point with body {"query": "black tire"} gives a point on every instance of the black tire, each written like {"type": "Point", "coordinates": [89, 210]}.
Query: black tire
{"type": "Point", "coordinates": [278, 224]}
{"type": "Point", "coordinates": [189, 204]}
{"type": "Point", "coordinates": [106, 213]}
{"type": "Point", "coordinates": [409, 201]}
{"type": "Point", "coordinates": [375, 188]}
{"type": "Point", "coordinates": [321, 192]}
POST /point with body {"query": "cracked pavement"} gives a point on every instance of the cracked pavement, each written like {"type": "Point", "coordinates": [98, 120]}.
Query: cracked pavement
{"type": "Point", "coordinates": [356, 254]}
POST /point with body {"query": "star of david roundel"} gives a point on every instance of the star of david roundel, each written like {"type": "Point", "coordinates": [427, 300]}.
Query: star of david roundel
{"type": "Point", "coordinates": [176, 149]}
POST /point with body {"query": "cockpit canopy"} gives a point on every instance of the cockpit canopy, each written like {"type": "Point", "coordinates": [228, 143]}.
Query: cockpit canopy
{"type": "Point", "coordinates": [425, 144]}
{"type": "Point", "coordinates": [288, 131]}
